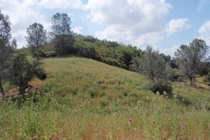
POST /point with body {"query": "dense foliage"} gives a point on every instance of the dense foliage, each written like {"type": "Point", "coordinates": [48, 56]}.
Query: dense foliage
{"type": "Point", "coordinates": [22, 71]}
{"type": "Point", "coordinates": [6, 47]}
{"type": "Point", "coordinates": [36, 35]}
{"type": "Point", "coordinates": [189, 58]}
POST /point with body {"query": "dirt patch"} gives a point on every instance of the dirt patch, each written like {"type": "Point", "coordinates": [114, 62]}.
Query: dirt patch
{"type": "Point", "coordinates": [198, 86]}
{"type": "Point", "coordinates": [34, 83]}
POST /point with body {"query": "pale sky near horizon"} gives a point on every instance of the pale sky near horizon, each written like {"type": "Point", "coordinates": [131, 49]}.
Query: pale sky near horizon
{"type": "Point", "coordinates": [164, 24]}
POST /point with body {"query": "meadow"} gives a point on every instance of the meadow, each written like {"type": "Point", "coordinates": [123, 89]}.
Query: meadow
{"type": "Point", "coordinates": [85, 99]}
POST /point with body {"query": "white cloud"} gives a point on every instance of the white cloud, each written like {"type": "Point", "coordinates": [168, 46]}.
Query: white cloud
{"type": "Point", "coordinates": [177, 25]}
{"type": "Point", "coordinates": [133, 21]}
{"type": "Point", "coordinates": [21, 14]}
{"type": "Point", "coordinates": [77, 30]}
{"type": "Point", "coordinates": [63, 4]}
{"type": "Point", "coordinates": [171, 51]}
{"type": "Point", "coordinates": [205, 32]}
{"type": "Point", "coordinates": [26, 12]}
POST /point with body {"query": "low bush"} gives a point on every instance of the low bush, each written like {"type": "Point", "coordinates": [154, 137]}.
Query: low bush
{"type": "Point", "coordinates": [160, 87]}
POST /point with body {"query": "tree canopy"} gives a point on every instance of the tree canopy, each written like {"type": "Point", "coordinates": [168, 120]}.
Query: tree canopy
{"type": "Point", "coordinates": [190, 56]}
{"type": "Point", "coordinates": [36, 36]}
{"type": "Point", "coordinates": [6, 48]}
{"type": "Point", "coordinates": [61, 31]}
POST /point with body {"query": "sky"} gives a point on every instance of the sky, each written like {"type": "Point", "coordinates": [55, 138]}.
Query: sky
{"type": "Point", "coordinates": [163, 24]}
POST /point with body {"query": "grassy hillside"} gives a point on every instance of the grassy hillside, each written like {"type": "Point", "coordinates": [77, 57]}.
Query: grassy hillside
{"type": "Point", "coordinates": [80, 78]}
{"type": "Point", "coordinates": [86, 99]}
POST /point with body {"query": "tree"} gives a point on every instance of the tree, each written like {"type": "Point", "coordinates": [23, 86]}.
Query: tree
{"type": "Point", "coordinates": [190, 56]}
{"type": "Point", "coordinates": [126, 54]}
{"type": "Point", "coordinates": [6, 49]}
{"type": "Point", "coordinates": [153, 66]}
{"type": "Point", "coordinates": [22, 71]}
{"type": "Point", "coordinates": [36, 35]}
{"type": "Point", "coordinates": [167, 58]}
{"type": "Point", "coordinates": [63, 38]}
{"type": "Point", "coordinates": [202, 69]}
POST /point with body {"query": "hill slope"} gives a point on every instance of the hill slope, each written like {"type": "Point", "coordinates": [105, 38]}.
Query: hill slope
{"type": "Point", "coordinates": [80, 78]}
{"type": "Point", "coordinates": [83, 78]}
{"type": "Point", "coordinates": [98, 101]}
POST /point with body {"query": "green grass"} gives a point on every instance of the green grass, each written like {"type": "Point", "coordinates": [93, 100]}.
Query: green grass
{"type": "Point", "coordinates": [99, 100]}
{"type": "Point", "coordinates": [80, 78]}
{"type": "Point", "coordinates": [42, 117]}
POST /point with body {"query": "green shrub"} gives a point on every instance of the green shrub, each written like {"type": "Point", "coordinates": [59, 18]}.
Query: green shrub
{"type": "Point", "coordinates": [208, 77]}
{"type": "Point", "coordinates": [159, 86]}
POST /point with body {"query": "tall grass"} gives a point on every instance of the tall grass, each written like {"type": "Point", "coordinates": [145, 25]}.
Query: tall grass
{"type": "Point", "coordinates": [39, 116]}
{"type": "Point", "coordinates": [86, 99]}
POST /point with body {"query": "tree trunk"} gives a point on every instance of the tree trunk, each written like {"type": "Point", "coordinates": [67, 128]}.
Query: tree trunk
{"type": "Point", "coordinates": [153, 80]}
{"type": "Point", "coordinates": [21, 90]}
{"type": "Point", "coordinates": [2, 90]}
{"type": "Point", "coordinates": [191, 81]}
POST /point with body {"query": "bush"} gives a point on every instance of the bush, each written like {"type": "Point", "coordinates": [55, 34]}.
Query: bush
{"type": "Point", "coordinates": [208, 77]}
{"type": "Point", "coordinates": [114, 62]}
{"type": "Point", "coordinates": [160, 87]}
{"type": "Point", "coordinates": [85, 50]}
{"type": "Point", "coordinates": [22, 71]}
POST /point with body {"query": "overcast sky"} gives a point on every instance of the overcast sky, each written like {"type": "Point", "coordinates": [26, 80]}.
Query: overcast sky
{"type": "Point", "coordinates": [164, 24]}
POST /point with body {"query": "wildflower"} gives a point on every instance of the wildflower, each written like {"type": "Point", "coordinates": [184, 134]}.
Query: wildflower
{"type": "Point", "coordinates": [16, 121]}
{"type": "Point", "coordinates": [4, 119]}
{"type": "Point", "coordinates": [158, 109]}
{"type": "Point", "coordinates": [162, 95]}
{"type": "Point", "coordinates": [130, 120]}
{"type": "Point", "coordinates": [183, 99]}
{"type": "Point", "coordinates": [68, 119]}
{"type": "Point", "coordinates": [53, 109]}
{"type": "Point", "coordinates": [153, 121]}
